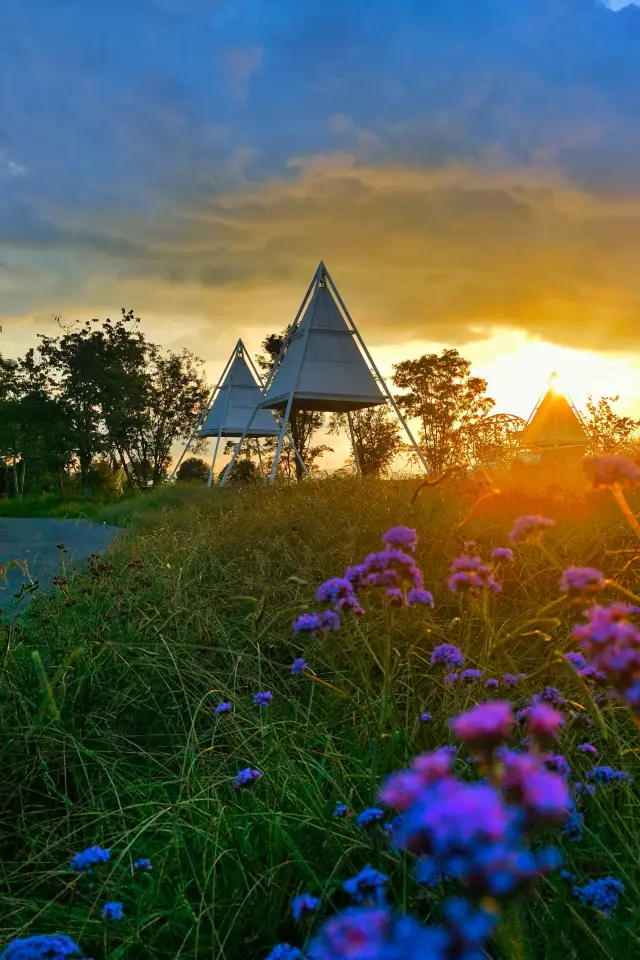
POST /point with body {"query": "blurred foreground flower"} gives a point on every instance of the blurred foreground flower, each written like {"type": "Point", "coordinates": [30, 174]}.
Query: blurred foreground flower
{"type": "Point", "coordinates": [42, 947]}
{"type": "Point", "coordinates": [529, 529]}
{"type": "Point", "coordinates": [608, 471]}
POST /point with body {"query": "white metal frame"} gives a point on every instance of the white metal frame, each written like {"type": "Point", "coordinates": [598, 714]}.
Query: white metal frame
{"type": "Point", "coordinates": [322, 275]}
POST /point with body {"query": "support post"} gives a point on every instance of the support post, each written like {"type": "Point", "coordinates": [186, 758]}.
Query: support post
{"type": "Point", "coordinates": [260, 457]}
{"type": "Point", "coordinates": [381, 379]}
{"type": "Point", "coordinates": [354, 446]}
{"type": "Point", "coordinates": [215, 455]}
{"type": "Point", "coordinates": [283, 430]}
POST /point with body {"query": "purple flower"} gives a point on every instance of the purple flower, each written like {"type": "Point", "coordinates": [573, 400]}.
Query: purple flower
{"type": "Point", "coordinates": [299, 665]}
{"type": "Point", "coordinates": [558, 764]}
{"type": "Point", "coordinates": [603, 894]}
{"type": "Point", "coordinates": [471, 675]}
{"type": "Point", "coordinates": [402, 789]}
{"type": "Point", "coordinates": [576, 660]}
{"type": "Point", "coordinates": [502, 554]}
{"type": "Point", "coordinates": [470, 574]}
{"type": "Point", "coordinates": [529, 529]}
{"type": "Point", "coordinates": [143, 865]}
{"type": "Point", "coordinates": [491, 684]}
{"type": "Point", "coordinates": [588, 749]}
{"type": "Point", "coordinates": [370, 816]}
{"type": "Point", "coordinates": [581, 581]}
{"type": "Point", "coordinates": [341, 810]}
{"type": "Point", "coordinates": [359, 932]}
{"type": "Point", "coordinates": [367, 887]}
{"type": "Point", "coordinates": [55, 946]}
{"type": "Point", "coordinates": [223, 708]}
{"type": "Point", "coordinates": [263, 699]}
{"type": "Point", "coordinates": [387, 568]}
{"type": "Point", "coordinates": [334, 591]}
{"type": "Point", "coordinates": [112, 911]}
{"type": "Point", "coordinates": [89, 858]}
{"type": "Point", "coordinates": [419, 597]}
{"type": "Point", "coordinates": [307, 623]}
{"type": "Point", "coordinates": [550, 695]}
{"type": "Point", "coordinates": [513, 679]}
{"type": "Point", "coordinates": [448, 654]}
{"type": "Point", "coordinates": [426, 717]}
{"type": "Point", "coordinates": [404, 538]}
{"type": "Point", "coordinates": [434, 766]}
{"type": "Point", "coordinates": [585, 789]}
{"type": "Point", "coordinates": [246, 777]}
{"type": "Point", "coordinates": [543, 795]}
{"type": "Point", "coordinates": [485, 726]}
{"type": "Point", "coordinates": [395, 596]}
{"type": "Point", "coordinates": [605, 775]}
{"type": "Point", "coordinates": [450, 679]}
{"type": "Point", "coordinates": [303, 905]}
{"type": "Point", "coordinates": [284, 951]}
{"type": "Point", "coordinates": [543, 722]}
{"type": "Point", "coordinates": [330, 620]}
{"type": "Point", "coordinates": [609, 471]}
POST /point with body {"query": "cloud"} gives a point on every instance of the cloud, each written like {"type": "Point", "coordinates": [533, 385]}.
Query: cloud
{"type": "Point", "coordinates": [444, 255]}
{"type": "Point", "coordinates": [239, 66]}
{"type": "Point", "coordinates": [616, 5]}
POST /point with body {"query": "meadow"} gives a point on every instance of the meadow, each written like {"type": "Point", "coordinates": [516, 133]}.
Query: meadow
{"type": "Point", "coordinates": [110, 735]}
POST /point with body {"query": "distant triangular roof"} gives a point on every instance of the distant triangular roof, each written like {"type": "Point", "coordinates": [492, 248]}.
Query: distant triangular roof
{"type": "Point", "coordinates": [554, 423]}
{"type": "Point", "coordinates": [236, 400]}
{"type": "Point", "coordinates": [323, 366]}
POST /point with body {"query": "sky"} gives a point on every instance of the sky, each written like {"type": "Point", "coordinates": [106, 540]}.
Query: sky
{"type": "Point", "coordinates": [469, 171]}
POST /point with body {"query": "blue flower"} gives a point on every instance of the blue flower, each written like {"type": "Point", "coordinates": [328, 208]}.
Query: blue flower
{"type": "Point", "coordinates": [491, 684]}
{"type": "Point", "coordinates": [470, 924]}
{"type": "Point", "coordinates": [284, 951]}
{"type": "Point", "coordinates": [574, 827]}
{"type": "Point", "coordinates": [341, 810]}
{"type": "Point", "coordinates": [307, 623]}
{"type": "Point", "coordinates": [143, 865]}
{"type": "Point", "coordinates": [223, 708]}
{"type": "Point", "coordinates": [83, 862]}
{"type": "Point", "coordinates": [299, 665]}
{"type": "Point", "coordinates": [603, 894]}
{"type": "Point", "coordinates": [471, 675]}
{"type": "Point", "coordinates": [401, 538]}
{"type": "Point", "coordinates": [41, 947]}
{"type": "Point", "coordinates": [112, 911]}
{"type": "Point", "coordinates": [605, 775]}
{"type": "Point", "coordinates": [418, 596]}
{"type": "Point", "coordinates": [589, 749]}
{"type": "Point", "coordinates": [426, 717]}
{"type": "Point", "coordinates": [303, 905]}
{"type": "Point", "coordinates": [513, 679]}
{"type": "Point", "coordinates": [263, 699]}
{"type": "Point", "coordinates": [245, 777]}
{"type": "Point", "coordinates": [369, 816]}
{"type": "Point", "coordinates": [367, 887]}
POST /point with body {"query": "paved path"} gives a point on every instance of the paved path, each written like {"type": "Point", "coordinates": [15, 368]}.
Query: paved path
{"type": "Point", "coordinates": [36, 542]}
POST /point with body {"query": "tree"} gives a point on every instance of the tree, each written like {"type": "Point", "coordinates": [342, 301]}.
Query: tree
{"type": "Point", "coordinates": [303, 424]}
{"type": "Point", "coordinates": [377, 437]}
{"type": "Point", "coordinates": [193, 469]}
{"type": "Point", "coordinates": [608, 431]}
{"type": "Point", "coordinates": [445, 398]}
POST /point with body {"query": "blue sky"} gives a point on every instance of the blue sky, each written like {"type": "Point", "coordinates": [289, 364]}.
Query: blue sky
{"type": "Point", "coordinates": [467, 168]}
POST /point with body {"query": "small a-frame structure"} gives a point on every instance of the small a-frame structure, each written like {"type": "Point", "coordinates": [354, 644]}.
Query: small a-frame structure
{"type": "Point", "coordinates": [555, 425]}
{"type": "Point", "coordinates": [324, 366]}
{"type": "Point", "coordinates": [231, 405]}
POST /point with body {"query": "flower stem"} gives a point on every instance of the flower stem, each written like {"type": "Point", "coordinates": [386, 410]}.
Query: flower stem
{"type": "Point", "coordinates": [621, 500]}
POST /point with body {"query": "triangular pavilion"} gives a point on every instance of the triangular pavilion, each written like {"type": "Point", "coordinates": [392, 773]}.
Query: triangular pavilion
{"type": "Point", "coordinates": [554, 424]}
{"type": "Point", "coordinates": [231, 405]}
{"type": "Point", "coordinates": [324, 365]}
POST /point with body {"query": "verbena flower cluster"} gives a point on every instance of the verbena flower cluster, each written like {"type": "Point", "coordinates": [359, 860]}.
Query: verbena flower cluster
{"type": "Point", "coordinates": [612, 471]}
{"type": "Point", "coordinates": [612, 643]}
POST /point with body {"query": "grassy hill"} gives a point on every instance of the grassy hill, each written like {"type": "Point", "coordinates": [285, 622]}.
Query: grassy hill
{"type": "Point", "coordinates": [109, 735]}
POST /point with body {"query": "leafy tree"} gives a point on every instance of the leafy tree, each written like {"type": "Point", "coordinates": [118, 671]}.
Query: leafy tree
{"type": "Point", "coordinates": [303, 424]}
{"type": "Point", "coordinates": [193, 469]}
{"type": "Point", "coordinates": [608, 431]}
{"type": "Point", "coordinates": [377, 437]}
{"type": "Point", "coordinates": [446, 400]}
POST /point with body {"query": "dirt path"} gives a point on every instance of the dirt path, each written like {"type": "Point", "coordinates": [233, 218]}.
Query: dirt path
{"type": "Point", "coordinates": [37, 541]}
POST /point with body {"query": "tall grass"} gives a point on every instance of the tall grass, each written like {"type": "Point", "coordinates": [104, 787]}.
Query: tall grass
{"type": "Point", "coordinates": [109, 736]}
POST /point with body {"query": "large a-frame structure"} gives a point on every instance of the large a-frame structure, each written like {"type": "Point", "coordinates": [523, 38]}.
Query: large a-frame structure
{"type": "Point", "coordinates": [231, 405]}
{"type": "Point", "coordinates": [324, 365]}
{"type": "Point", "coordinates": [554, 425]}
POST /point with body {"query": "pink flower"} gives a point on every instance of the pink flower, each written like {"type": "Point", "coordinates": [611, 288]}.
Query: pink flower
{"type": "Point", "coordinates": [485, 726]}
{"type": "Point", "coordinates": [543, 722]}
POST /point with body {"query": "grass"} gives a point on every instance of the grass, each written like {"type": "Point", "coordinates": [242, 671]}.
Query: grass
{"type": "Point", "coordinates": [108, 737]}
